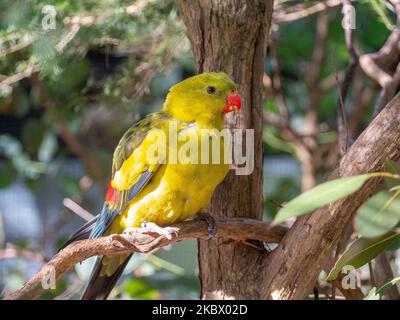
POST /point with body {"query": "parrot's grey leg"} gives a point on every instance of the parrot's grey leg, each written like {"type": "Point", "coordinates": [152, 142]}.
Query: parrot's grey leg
{"type": "Point", "coordinates": [150, 227]}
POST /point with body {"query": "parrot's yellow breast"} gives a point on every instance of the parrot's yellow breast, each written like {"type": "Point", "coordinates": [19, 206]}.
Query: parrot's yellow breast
{"type": "Point", "coordinates": [177, 191]}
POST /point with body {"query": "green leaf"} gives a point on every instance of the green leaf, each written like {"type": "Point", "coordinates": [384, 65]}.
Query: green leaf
{"type": "Point", "coordinates": [378, 215]}
{"type": "Point", "coordinates": [7, 174]}
{"type": "Point", "coordinates": [360, 252]}
{"type": "Point", "coordinates": [10, 146]}
{"type": "Point", "coordinates": [394, 168]}
{"type": "Point", "coordinates": [375, 294]}
{"type": "Point", "coordinates": [394, 245]}
{"type": "Point", "coordinates": [381, 291]}
{"type": "Point", "coordinates": [372, 295]}
{"type": "Point", "coordinates": [321, 195]}
{"type": "Point", "coordinates": [139, 288]}
{"type": "Point", "coordinates": [32, 135]}
{"type": "Point", "coordinates": [379, 8]}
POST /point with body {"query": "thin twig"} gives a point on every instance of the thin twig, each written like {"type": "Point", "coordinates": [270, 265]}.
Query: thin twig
{"type": "Point", "coordinates": [344, 86]}
{"type": "Point", "coordinates": [17, 47]}
{"type": "Point", "coordinates": [388, 91]}
{"type": "Point", "coordinates": [302, 11]}
{"type": "Point", "coordinates": [371, 274]}
{"type": "Point", "coordinates": [9, 80]}
{"type": "Point", "coordinates": [376, 64]}
{"type": "Point", "coordinates": [277, 85]}
{"type": "Point", "coordinates": [77, 209]}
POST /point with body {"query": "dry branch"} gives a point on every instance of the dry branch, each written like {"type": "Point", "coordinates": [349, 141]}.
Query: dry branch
{"type": "Point", "coordinates": [293, 267]}
{"type": "Point", "coordinates": [377, 65]}
{"type": "Point", "coordinates": [302, 11]}
{"type": "Point", "coordinates": [235, 229]}
{"type": "Point", "coordinates": [388, 91]}
{"type": "Point", "coordinates": [345, 84]}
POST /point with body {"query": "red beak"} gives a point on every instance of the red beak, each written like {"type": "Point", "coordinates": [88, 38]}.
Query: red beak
{"type": "Point", "coordinates": [233, 103]}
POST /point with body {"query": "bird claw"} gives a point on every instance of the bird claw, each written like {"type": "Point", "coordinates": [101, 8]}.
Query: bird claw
{"type": "Point", "coordinates": [212, 225]}
{"type": "Point", "coordinates": [150, 227]}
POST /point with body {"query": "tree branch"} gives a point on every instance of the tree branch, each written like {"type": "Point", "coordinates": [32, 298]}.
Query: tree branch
{"type": "Point", "coordinates": [388, 91]}
{"type": "Point", "coordinates": [302, 11]}
{"type": "Point", "coordinates": [17, 47]}
{"type": "Point", "coordinates": [344, 86]}
{"type": "Point", "coordinates": [376, 65]}
{"type": "Point", "coordinates": [238, 229]}
{"type": "Point", "coordinates": [294, 266]}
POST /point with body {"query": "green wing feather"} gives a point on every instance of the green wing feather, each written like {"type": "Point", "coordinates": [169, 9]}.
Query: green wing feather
{"type": "Point", "coordinates": [131, 140]}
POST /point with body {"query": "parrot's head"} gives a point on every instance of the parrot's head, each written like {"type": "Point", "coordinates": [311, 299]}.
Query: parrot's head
{"type": "Point", "coordinates": [204, 98]}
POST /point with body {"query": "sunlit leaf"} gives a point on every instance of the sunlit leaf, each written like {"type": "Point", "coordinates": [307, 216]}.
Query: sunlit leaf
{"type": "Point", "coordinates": [376, 293]}
{"type": "Point", "coordinates": [162, 263]}
{"type": "Point", "coordinates": [372, 295]}
{"type": "Point", "coordinates": [379, 8]}
{"type": "Point", "coordinates": [361, 251]}
{"type": "Point", "coordinates": [9, 146]}
{"type": "Point", "coordinates": [321, 195]}
{"type": "Point", "coordinates": [378, 215]}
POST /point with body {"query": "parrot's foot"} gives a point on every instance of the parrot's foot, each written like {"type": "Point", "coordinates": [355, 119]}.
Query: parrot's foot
{"type": "Point", "coordinates": [150, 227]}
{"type": "Point", "coordinates": [212, 225]}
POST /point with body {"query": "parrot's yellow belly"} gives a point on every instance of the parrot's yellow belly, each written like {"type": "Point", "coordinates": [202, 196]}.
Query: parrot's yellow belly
{"type": "Point", "coordinates": [176, 192]}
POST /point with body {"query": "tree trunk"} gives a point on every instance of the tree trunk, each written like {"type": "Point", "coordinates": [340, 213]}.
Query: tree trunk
{"type": "Point", "coordinates": [216, 28]}
{"type": "Point", "coordinates": [230, 36]}
{"type": "Point", "coordinates": [293, 267]}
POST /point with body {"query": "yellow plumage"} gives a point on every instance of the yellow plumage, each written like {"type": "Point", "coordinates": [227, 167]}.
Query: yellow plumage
{"type": "Point", "coordinates": [176, 192]}
{"type": "Point", "coordinates": [153, 188]}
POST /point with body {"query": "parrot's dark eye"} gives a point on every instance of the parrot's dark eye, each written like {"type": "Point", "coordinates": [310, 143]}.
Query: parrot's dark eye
{"type": "Point", "coordinates": [211, 90]}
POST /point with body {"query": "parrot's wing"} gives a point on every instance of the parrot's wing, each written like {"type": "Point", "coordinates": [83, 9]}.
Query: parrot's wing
{"type": "Point", "coordinates": [131, 169]}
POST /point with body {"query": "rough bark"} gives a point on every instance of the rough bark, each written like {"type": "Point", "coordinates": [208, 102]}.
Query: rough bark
{"type": "Point", "coordinates": [231, 36]}
{"type": "Point", "coordinates": [292, 269]}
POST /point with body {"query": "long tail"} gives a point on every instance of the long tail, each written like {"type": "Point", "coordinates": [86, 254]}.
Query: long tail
{"type": "Point", "coordinates": [82, 233]}
{"type": "Point", "coordinates": [100, 286]}
{"type": "Point", "coordinates": [101, 283]}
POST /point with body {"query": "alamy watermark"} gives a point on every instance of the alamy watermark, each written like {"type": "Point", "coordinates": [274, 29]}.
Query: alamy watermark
{"type": "Point", "coordinates": [194, 145]}
{"type": "Point", "coordinates": [49, 20]}
{"type": "Point", "coordinates": [349, 280]}
{"type": "Point", "coordinates": [349, 17]}
{"type": "Point", "coordinates": [49, 279]}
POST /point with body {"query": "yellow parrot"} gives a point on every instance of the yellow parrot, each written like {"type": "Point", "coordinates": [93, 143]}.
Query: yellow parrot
{"type": "Point", "coordinates": [150, 186]}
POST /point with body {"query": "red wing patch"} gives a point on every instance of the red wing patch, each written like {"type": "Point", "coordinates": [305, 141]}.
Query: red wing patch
{"type": "Point", "coordinates": [111, 195]}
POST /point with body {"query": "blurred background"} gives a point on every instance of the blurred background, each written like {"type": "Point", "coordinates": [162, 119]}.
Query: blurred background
{"type": "Point", "coordinates": [74, 75]}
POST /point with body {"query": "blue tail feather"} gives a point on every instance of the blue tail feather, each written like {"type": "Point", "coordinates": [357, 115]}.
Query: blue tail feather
{"type": "Point", "coordinates": [103, 222]}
